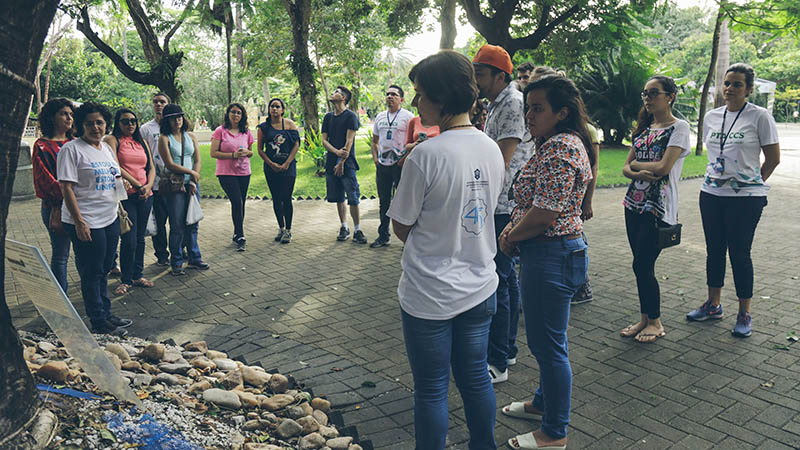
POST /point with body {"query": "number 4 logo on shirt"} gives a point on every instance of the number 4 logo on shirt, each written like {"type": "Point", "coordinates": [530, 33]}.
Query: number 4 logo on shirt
{"type": "Point", "coordinates": [473, 216]}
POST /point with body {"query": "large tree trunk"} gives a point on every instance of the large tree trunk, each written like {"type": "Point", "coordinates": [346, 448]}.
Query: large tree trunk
{"type": "Point", "coordinates": [228, 45]}
{"type": "Point", "coordinates": [22, 31]}
{"type": "Point", "coordinates": [707, 84]}
{"type": "Point", "coordinates": [321, 75]}
{"type": "Point", "coordinates": [303, 68]}
{"type": "Point", "coordinates": [723, 61]}
{"type": "Point", "coordinates": [447, 18]}
{"type": "Point", "coordinates": [237, 19]}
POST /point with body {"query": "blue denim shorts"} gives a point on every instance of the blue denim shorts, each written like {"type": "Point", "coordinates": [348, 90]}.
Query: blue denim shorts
{"type": "Point", "coordinates": [345, 185]}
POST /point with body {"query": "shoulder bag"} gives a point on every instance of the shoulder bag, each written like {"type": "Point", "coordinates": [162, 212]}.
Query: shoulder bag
{"type": "Point", "coordinates": [171, 181]}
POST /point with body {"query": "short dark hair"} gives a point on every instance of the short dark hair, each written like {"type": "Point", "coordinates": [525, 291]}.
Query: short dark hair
{"type": "Point", "coordinates": [48, 113]}
{"type": "Point", "coordinates": [494, 70]}
{"type": "Point", "coordinates": [746, 70]}
{"type": "Point", "coordinates": [347, 94]}
{"type": "Point", "coordinates": [242, 122]}
{"type": "Point", "coordinates": [117, 131]}
{"type": "Point", "coordinates": [402, 94]}
{"type": "Point", "coordinates": [527, 66]}
{"type": "Point", "coordinates": [161, 94]}
{"type": "Point", "coordinates": [448, 79]}
{"type": "Point", "coordinates": [165, 128]}
{"type": "Point", "coordinates": [90, 108]}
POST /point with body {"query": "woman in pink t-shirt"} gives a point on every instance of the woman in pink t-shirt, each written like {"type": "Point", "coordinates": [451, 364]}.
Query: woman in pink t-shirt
{"type": "Point", "coordinates": [138, 175]}
{"type": "Point", "coordinates": [417, 133]}
{"type": "Point", "coordinates": [232, 147]}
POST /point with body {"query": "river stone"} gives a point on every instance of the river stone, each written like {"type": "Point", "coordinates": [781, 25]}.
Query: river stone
{"type": "Point", "coordinates": [132, 351]}
{"type": "Point", "coordinates": [278, 383]}
{"type": "Point", "coordinates": [307, 409]}
{"type": "Point", "coordinates": [201, 362]}
{"type": "Point", "coordinates": [222, 398]}
{"type": "Point", "coordinates": [277, 401]}
{"type": "Point", "coordinates": [309, 424]}
{"type": "Point", "coordinates": [46, 347]}
{"type": "Point", "coordinates": [311, 441]}
{"type": "Point", "coordinates": [255, 424]}
{"type": "Point", "coordinates": [321, 404]}
{"type": "Point", "coordinates": [295, 412]}
{"type": "Point", "coordinates": [354, 447]}
{"type": "Point", "coordinates": [114, 360]}
{"type": "Point", "coordinates": [200, 386]}
{"type": "Point", "coordinates": [321, 417]}
{"type": "Point", "coordinates": [192, 355]}
{"type": "Point", "coordinates": [259, 446]}
{"type": "Point", "coordinates": [199, 346]}
{"type": "Point", "coordinates": [340, 443]}
{"type": "Point", "coordinates": [133, 366]}
{"type": "Point", "coordinates": [142, 379]}
{"type": "Point", "coordinates": [149, 368]}
{"type": "Point", "coordinates": [213, 354]}
{"type": "Point", "coordinates": [232, 380]}
{"type": "Point", "coordinates": [54, 371]}
{"type": "Point", "coordinates": [225, 364]}
{"type": "Point", "coordinates": [329, 432]}
{"type": "Point", "coordinates": [174, 368]}
{"type": "Point", "coordinates": [266, 415]}
{"type": "Point", "coordinates": [248, 399]}
{"type": "Point", "coordinates": [255, 377]}
{"type": "Point", "coordinates": [289, 428]}
{"type": "Point", "coordinates": [119, 351]}
{"type": "Point", "coordinates": [153, 352]}
{"type": "Point", "coordinates": [172, 357]}
{"type": "Point", "coordinates": [167, 378]}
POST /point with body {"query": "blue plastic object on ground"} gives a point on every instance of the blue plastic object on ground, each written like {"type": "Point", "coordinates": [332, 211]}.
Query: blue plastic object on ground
{"type": "Point", "coordinates": [68, 391]}
{"type": "Point", "coordinates": [148, 433]}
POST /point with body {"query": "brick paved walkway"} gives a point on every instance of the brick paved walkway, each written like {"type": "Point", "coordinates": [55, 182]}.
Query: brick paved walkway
{"type": "Point", "coordinates": [334, 307]}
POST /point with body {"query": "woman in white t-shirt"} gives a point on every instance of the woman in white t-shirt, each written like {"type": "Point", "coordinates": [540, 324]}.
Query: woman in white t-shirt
{"type": "Point", "coordinates": [442, 211]}
{"type": "Point", "coordinates": [87, 173]}
{"type": "Point", "coordinates": [654, 164]}
{"type": "Point", "coordinates": [734, 191]}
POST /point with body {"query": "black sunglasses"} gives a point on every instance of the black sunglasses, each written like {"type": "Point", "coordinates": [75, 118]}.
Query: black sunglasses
{"type": "Point", "coordinates": [127, 122]}
{"type": "Point", "coordinates": [652, 93]}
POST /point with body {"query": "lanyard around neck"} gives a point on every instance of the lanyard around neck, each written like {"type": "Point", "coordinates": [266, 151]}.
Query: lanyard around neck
{"type": "Point", "coordinates": [391, 122]}
{"type": "Point", "coordinates": [724, 138]}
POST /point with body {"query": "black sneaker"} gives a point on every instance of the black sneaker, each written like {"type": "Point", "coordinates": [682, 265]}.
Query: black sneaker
{"type": "Point", "coordinates": [119, 322]}
{"type": "Point", "coordinates": [198, 265]}
{"type": "Point", "coordinates": [240, 247]}
{"type": "Point", "coordinates": [287, 237]}
{"type": "Point", "coordinates": [162, 262]}
{"type": "Point", "coordinates": [380, 242]}
{"type": "Point", "coordinates": [279, 236]}
{"type": "Point", "coordinates": [344, 233]}
{"type": "Point", "coordinates": [178, 271]}
{"type": "Point", "coordinates": [108, 328]}
{"type": "Point", "coordinates": [583, 294]}
{"type": "Point", "coordinates": [359, 238]}
{"type": "Point", "coordinates": [235, 239]}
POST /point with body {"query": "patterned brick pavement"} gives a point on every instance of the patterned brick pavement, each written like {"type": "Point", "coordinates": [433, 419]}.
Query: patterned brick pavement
{"type": "Point", "coordinates": [327, 312]}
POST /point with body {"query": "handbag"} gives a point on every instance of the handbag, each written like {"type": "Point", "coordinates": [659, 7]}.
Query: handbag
{"type": "Point", "coordinates": [669, 236]}
{"type": "Point", "coordinates": [125, 223]}
{"type": "Point", "coordinates": [194, 213]}
{"type": "Point", "coordinates": [173, 182]}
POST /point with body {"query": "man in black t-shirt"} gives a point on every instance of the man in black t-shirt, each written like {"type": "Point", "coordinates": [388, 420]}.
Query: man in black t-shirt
{"type": "Point", "coordinates": [338, 137]}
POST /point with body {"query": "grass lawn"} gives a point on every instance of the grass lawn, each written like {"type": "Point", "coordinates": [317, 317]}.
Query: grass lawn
{"type": "Point", "coordinates": [309, 185]}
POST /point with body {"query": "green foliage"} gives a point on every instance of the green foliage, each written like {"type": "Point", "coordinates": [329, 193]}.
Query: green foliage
{"type": "Point", "coordinates": [312, 148]}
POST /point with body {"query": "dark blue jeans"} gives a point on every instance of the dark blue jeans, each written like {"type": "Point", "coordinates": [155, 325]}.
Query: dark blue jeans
{"type": "Point", "coordinates": [59, 250]}
{"type": "Point", "coordinates": [181, 234]}
{"type": "Point", "coordinates": [131, 249]}
{"type": "Point", "coordinates": [503, 332]}
{"type": "Point", "coordinates": [436, 346]}
{"type": "Point", "coordinates": [161, 212]}
{"type": "Point", "coordinates": [551, 272]}
{"type": "Point", "coordinates": [94, 259]}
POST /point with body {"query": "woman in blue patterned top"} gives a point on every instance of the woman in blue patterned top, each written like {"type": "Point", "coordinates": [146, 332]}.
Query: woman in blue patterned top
{"type": "Point", "coordinates": [660, 143]}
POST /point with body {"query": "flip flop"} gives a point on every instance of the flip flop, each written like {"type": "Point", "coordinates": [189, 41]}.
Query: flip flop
{"type": "Point", "coordinates": [655, 337]}
{"type": "Point", "coordinates": [528, 442]}
{"type": "Point", "coordinates": [143, 282]}
{"type": "Point", "coordinates": [517, 409]}
{"type": "Point", "coordinates": [122, 289]}
{"type": "Point", "coordinates": [630, 331]}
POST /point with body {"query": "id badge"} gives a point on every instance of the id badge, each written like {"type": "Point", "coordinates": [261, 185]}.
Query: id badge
{"type": "Point", "coordinates": [719, 165]}
{"type": "Point", "coordinates": [388, 134]}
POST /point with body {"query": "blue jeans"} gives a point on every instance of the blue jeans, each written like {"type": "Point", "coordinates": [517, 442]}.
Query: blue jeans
{"type": "Point", "coordinates": [503, 332]}
{"type": "Point", "coordinates": [181, 234]}
{"type": "Point", "coordinates": [433, 347]}
{"type": "Point", "coordinates": [94, 259]}
{"type": "Point", "coordinates": [551, 272]}
{"type": "Point", "coordinates": [162, 213]}
{"type": "Point", "coordinates": [131, 249]}
{"type": "Point", "coordinates": [59, 250]}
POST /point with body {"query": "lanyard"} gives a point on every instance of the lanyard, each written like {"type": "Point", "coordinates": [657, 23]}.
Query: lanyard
{"type": "Point", "coordinates": [391, 122]}
{"type": "Point", "coordinates": [724, 137]}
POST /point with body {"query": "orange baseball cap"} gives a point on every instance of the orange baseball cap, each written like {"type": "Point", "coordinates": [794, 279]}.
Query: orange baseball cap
{"type": "Point", "coordinates": [495, 56]}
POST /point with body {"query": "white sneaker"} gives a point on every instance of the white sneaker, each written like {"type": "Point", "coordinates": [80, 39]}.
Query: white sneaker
{"type": "Point", "coordinates": [497, 376]}
{"type": "Point", "coordinates": [511, 361]}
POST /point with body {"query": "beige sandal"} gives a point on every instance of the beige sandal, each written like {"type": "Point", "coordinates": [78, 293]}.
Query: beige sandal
{"type": "Point", "coordinates": [122, 289]}
{"type": "Point", "coordinates": [143, 282]}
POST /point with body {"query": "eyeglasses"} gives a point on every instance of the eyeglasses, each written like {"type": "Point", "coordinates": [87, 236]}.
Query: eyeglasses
{"type": "Point", "coordinates": [127, 122]}
{"type": "Point", "coordinates": [392, 94]}
{"type": "Point", "coordinates": [235, 112]}
{"type": "Point", "coordinates": [652, 93]}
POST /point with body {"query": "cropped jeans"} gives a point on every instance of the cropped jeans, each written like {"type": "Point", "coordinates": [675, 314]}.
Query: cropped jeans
{"type": "Point", "coordinates": [550, 273]}
{"type": "Point", "coordinates": [59, 250]}
{"type": "Point", "coordinates": [435, 347]}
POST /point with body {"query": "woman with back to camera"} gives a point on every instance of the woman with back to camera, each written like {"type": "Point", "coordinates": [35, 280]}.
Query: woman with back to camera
{"type": "Point", "coordinates": [278, 142]}
{"type": "Point", "coordinates": [55, 121]}
{"type": "Point", "coordinates": [442, 212]}
{"type": "Point", "coordinates": [87, 174]}
{"type": "Point", "coordinates": [178, 150]}
{"type": "Point", "coordinates": [654, 164]}
{"type": "Point", "coordinates": [545, 231]}
{"type": "Point", "coordinates": [734, 191]}
{"type": "Point", "coordinates": [231, 146]}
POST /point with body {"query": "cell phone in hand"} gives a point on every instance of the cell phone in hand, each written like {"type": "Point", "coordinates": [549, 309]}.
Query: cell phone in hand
{"type": "Point", "coordinates": [422, 136]}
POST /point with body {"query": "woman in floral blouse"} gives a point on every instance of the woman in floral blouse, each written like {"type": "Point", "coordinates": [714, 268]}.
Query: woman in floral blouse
{"type": "Point", "coordinates": [545, 230]}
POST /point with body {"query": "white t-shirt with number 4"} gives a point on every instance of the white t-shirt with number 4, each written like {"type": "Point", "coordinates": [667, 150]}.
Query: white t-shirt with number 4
{"type": "Point", "coordinates": [94, 173]}
{"type": "Point", "coordinates": [448, 192]}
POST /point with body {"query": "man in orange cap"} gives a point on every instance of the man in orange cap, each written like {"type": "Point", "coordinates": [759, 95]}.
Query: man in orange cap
{"type": "Point", "coordinates": [506, 125]}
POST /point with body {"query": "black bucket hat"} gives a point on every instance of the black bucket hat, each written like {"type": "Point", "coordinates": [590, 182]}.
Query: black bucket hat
{"type": "Point", "coordinates": [171, 110]}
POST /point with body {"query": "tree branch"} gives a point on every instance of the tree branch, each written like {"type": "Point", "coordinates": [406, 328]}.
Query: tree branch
{"type": "Point", "coordinates": [533, 40]}
{"type": "Point", "coordinates": [181, 19]}
{"type": "Point", "coordinates": [152, 51]}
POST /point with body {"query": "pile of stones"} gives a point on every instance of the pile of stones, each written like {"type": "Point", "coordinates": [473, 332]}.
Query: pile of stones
{"type": "Point", "coordinates": [266, 410]}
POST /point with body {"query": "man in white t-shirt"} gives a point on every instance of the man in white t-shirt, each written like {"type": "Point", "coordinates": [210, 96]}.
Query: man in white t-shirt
{"type": "Point", "coordinates": [388, 147]}
{"type": "Point", "coordinates": [150, 132]}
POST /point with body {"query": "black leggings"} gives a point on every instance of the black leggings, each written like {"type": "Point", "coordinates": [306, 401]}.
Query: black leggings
{"type": "Point", "coordinates": [643, 239]}
{"type": "Point", "coordinates": [729, 224]}
{"type": "Point", "coordinates": [235, 187]}
{"type": "Point", "coordinates": [281, 187]}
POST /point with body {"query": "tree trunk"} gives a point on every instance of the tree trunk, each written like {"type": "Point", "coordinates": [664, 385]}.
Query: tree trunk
{"type": "Point", "coordinates": [707, 84]}
{"type": "Point", "coordinates": [237, 19]}
{"type": "Point", "coordinates": [322, 77]}
{"type": "Point", "coordinates": [228, 46]}
{"type": "Point", "coordinates": [723, 61]}
{"type": "Point", "coordinates": [46, 95]}
{"type": "Point", "coordinates": [22, 31]}
{"type": "Point", "coordinates": [447, 18]}
{"type": "Point", "coordinates": [267, 95]}
{"type": "Point", "coordinates": [354, 103]}
{"type": "Point", "coordinates": [303, 68]}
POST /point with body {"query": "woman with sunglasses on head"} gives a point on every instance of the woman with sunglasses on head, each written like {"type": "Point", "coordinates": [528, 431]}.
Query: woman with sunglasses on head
{"type": "Point", "coordinates": [278, 142]}
{"type": "Point", "coordinates": [655, 161]}
{"type": "Point", "coordinates": [55, 121]}
{"type": "Point", "coordinates": [231, 146]}
{"type": "Point", "coordinates": [138, 174]}
{"type": "Point", "coordinates": [734, 191]}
